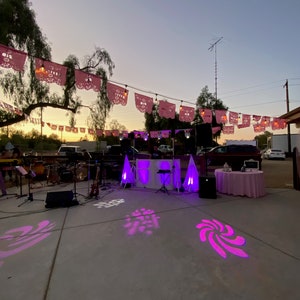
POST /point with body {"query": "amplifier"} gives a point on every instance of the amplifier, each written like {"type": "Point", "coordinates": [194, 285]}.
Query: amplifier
{"type": "Point", "coordinates": [60, 199]}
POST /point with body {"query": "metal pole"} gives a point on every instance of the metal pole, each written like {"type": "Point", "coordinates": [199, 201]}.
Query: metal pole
{"type": "Point", "coordinates": [288, 109]}
{"type": "Point", "coordinates": [214, 46]}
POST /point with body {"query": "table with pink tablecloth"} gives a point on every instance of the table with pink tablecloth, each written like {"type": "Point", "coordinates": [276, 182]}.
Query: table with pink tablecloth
{"type": "Point", "coordinates": [250, 184]}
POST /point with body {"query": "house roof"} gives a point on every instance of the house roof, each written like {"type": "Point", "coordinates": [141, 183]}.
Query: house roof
{"type": "Point", "coordinates": [292, 116]}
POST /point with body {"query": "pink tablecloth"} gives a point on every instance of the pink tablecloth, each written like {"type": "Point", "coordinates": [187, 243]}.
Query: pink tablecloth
{"type": "Point", "coordinates": [250, 184]}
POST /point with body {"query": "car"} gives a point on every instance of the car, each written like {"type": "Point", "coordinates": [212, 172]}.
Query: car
{"type": "Point", "coordinates": [274, 154]}
{"type": "Point", "coordinates": [165, 149]}
{"type": "Point", "coordinates": [203, 150]}
{"type": "Point", "coordinates": [233, 155]}
{"type": "Point", "coordinates": [69, 150]}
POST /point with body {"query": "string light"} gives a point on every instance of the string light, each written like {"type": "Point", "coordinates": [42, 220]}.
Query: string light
{"type": "Point", "coordinates": [125, 91]}
{"type": "Point", "coordinates": [187, 133]}
{"type": "Point", "coordinates": [41, 70]}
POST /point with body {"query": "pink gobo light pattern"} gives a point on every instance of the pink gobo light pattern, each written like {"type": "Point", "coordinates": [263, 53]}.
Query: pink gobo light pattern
{"type": "Point", "coordinates": [18, 239]}
{"type": "Point", "coordinates": [221, 237]}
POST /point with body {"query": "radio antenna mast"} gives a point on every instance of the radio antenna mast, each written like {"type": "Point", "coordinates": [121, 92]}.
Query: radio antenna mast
{"type": "Point", "coordinates": [212, 47]}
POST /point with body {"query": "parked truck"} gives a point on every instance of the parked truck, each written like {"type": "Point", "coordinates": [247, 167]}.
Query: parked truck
{"type": "Point", "coordinates": [280, 141]}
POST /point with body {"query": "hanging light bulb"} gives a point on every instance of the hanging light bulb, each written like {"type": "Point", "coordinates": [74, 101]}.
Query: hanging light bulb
{"type": "Point", "coordinates": [146, 136]}
{"type": "Point", "coordinates": [125, 91]}
{"type": "Point", "coordinates": [41, 70]}
{"type": "Point", "coordinates": [223, 118]}
{"type": "Point", "coordinates": [187, 134]}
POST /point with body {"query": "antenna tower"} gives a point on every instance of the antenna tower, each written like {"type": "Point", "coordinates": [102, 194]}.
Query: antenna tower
{"type": "Point", "coordinates": [212, 47]}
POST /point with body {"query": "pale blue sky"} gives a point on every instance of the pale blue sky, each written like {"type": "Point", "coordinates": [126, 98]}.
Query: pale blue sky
{"type": "Point", "coordinates": [162, 47]}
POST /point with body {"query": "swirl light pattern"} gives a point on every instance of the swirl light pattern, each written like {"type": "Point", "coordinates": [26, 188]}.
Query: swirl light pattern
{"type": "Point", "coordinates": [18, 239]}
{"type": "Point", "coordinates": [221, 237]}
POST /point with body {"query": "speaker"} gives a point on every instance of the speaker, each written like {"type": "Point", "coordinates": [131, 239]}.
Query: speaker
{"type": "Point", "coordinates": [207, 187]}
{"type": "Point", "coordinates": [60, 199]}
{"type": "Point", "coordinates": [204, 135]}
{"type": "Point", "coordinates": [125, 145]}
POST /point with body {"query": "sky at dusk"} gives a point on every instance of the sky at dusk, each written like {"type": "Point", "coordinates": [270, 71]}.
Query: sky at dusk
{"type": "Point", "coordinates": [162, 47]}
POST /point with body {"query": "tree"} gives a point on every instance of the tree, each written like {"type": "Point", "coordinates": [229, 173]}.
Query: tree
{"type": "Point", "coordinates": [263, 139]}
{"type": "Point", "coordinates": [115, 125]}
{"type": "Point", "coordinates": [154, 121]}
{"type": "Point", "coordinates": [208, 100]}
{"type": "Point", "coordinates": [20, 31]}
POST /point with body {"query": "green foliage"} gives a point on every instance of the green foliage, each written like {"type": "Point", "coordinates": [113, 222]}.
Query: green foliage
{"type": "Point", "coordinates": [31, 141]}
{"type": "Point", "coordinates": [20, 31]}
{"type": "Point", "coordinates": [262, 140]}
{"type": "Point", "coordinates": [205, 100]}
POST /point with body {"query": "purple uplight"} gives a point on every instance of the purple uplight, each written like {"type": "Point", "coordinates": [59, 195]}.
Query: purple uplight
{"type": "Point", "coordinates": [127, 174]}
{"type": "Point", "coordinates": [221, 238]}
{"type": "Point", "coordinates": [141, 220]}
{"type": "Point", "coordinates": [191, 182]}
{"type": "Point", "coordinates": [21, 238]}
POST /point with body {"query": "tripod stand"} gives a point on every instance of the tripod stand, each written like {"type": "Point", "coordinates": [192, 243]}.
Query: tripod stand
{"type": "Point", "coordinates": [75, 184]}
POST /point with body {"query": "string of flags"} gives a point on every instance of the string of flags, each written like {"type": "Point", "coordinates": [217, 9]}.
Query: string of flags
{"type": "Point", "coordinates": [52, 72]}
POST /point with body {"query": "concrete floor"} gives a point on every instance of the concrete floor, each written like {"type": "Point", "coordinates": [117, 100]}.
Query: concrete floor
{"type": "Point", "coordinates": [135, 243]}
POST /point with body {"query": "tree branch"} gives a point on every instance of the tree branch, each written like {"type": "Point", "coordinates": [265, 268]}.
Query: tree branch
{"type": "Point", "coordinates": [18, 118]}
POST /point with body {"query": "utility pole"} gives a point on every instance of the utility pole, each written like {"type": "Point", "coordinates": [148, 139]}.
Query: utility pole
{"type": "Point", "coordinates": [214, 46]}
{"type": "Point", "coordinates": [288, 110]}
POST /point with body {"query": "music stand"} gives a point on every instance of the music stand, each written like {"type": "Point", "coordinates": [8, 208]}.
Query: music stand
{"type": "Point", "coordinates": [22, 172]}
{"type": "Point", "coordinates": [163, 188]}
{"type": "Point", "coordinates": [29, 175]}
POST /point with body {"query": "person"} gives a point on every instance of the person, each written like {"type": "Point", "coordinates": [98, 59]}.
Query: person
{"type": "Point", "coordinates": [16, 152]}
{"type": "Point", "coordinates": [86, 155]}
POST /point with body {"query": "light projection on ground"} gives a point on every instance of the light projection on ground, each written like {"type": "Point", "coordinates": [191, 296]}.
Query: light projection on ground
{"type": "Point", "coordinates": [221, 237]}
{"type": "Point", "coordinates": [18, 239]}
{"type": "Point", "coordinates": [141, 221]}
{"type": "Point", "coordinates": [111, 203]}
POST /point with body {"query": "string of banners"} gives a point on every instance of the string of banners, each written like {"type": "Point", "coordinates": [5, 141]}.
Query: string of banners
{"type": "Point", "coordinates": [52, 72]}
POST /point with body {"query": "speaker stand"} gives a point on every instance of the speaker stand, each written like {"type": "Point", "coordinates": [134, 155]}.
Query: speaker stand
{"type": "Point", "coordinates": [75, 184]}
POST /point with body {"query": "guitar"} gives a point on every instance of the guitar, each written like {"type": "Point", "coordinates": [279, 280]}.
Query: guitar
{"type": "Point", "coordinates": [95, 185]}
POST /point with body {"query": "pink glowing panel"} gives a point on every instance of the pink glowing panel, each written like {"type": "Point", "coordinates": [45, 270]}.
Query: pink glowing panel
{"type": "Point", "coordinates": [143, 171]}
{"type": "Point", "coordinates": [141, 221]}
{"type": "Point", "coordinates": [222, 238]}
{"type": "Point", "coordinates": [18, 239]}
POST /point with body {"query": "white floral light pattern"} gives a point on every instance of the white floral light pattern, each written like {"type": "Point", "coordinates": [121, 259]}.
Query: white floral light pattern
{"type": "Point", "coordinates": [221, 237]}
{"type": "Point", "coordinates": [18, 239]}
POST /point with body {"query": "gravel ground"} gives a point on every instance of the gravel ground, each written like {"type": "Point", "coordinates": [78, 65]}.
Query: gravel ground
{"type": "Point", "coordinates": [278, 173]}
